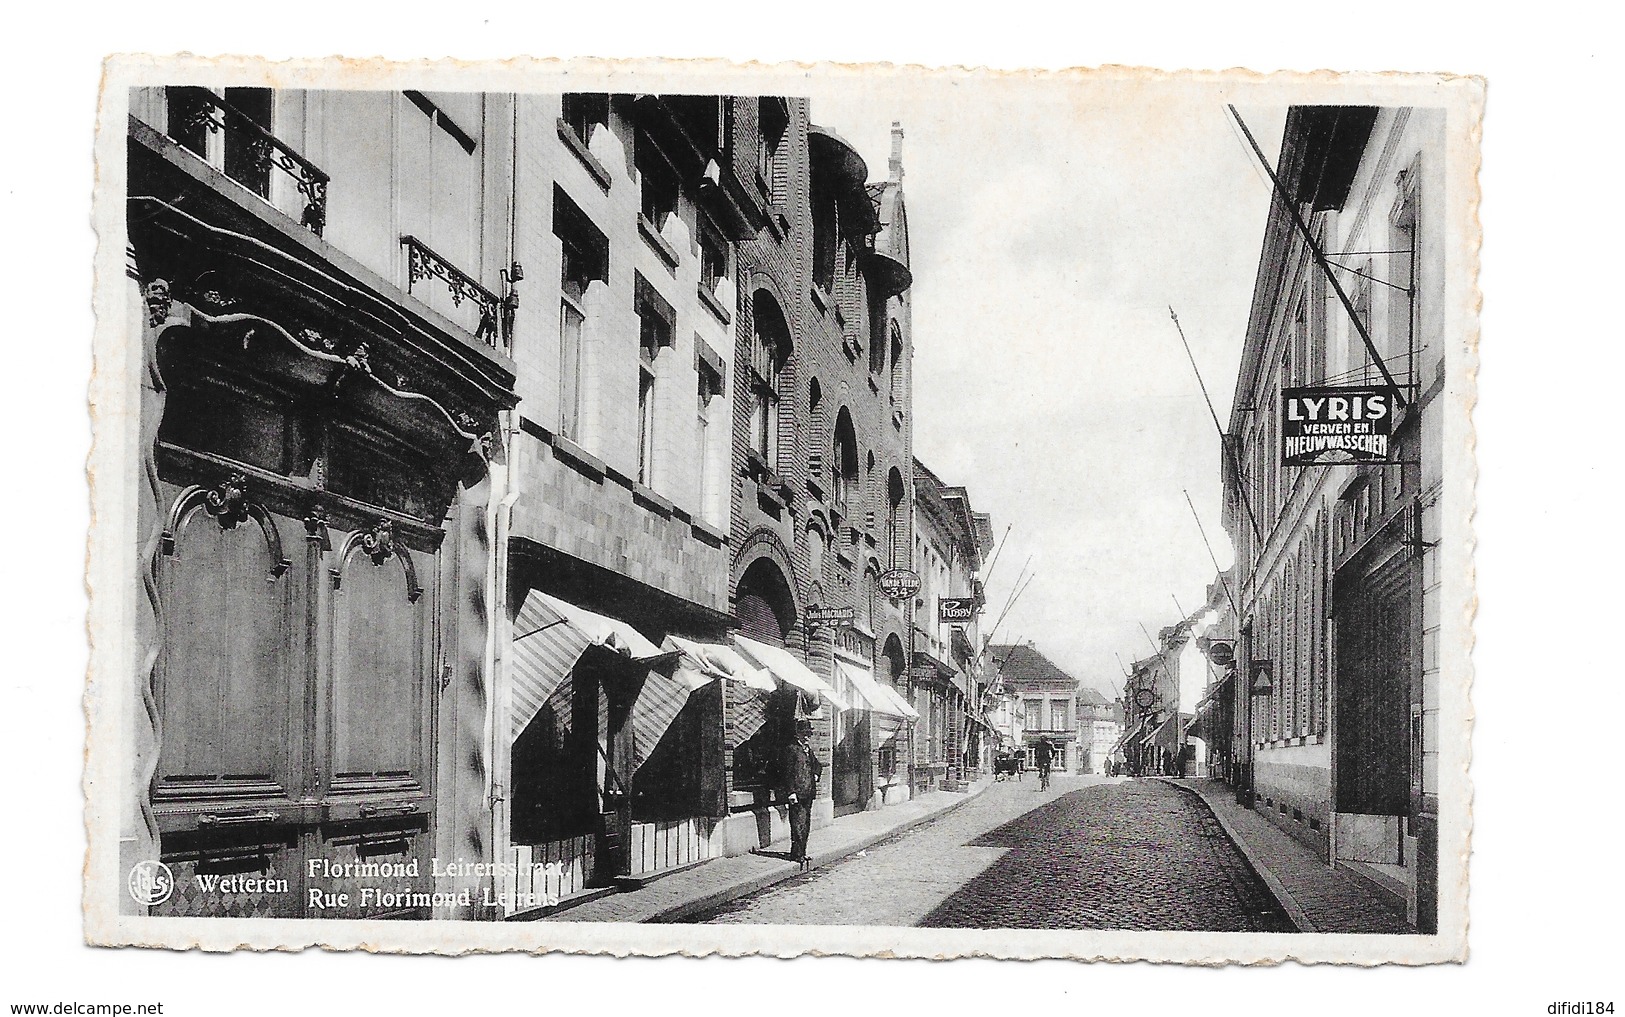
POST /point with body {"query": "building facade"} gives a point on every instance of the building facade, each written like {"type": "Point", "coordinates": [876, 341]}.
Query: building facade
{"type": "Point", "coordinates": [328, 384]}
{"type": "Point", "coordinates": [821, 473]}
{"type": "Point", "coordinates": [950, 542]}
{"type": "Point", "coordinates": [1047, 695]}
{"type": "Point", "coordinates": [504, 410]}
{"type": "Point", "coordinates": [1336, 573]}
{"type": "Point", "coordinates": [1100, 726]}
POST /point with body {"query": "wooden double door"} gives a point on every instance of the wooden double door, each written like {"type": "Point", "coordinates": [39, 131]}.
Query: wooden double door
{"type": "Point", "coordinates": [1375, 624]}
{"type": "Point", "coordinates": [294, 689]}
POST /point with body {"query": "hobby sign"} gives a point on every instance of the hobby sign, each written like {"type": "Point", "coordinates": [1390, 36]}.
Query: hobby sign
{"type": "Point", "coordinates": [1336, 426]}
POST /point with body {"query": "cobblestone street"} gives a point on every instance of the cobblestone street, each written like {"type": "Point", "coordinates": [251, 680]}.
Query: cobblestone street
{"type": "Point", "coordinates": [1091, 853]}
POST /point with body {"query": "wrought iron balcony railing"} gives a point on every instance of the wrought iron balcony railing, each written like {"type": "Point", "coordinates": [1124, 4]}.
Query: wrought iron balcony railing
{"type": "Point", "coordinates": [196, 111]}
{"type": "Point", "coordinates": [495, 325]}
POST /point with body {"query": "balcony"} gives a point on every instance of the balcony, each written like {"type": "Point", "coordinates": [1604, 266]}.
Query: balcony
{"type": "Point", "coordinates": [434, 280]}
{"type": "Point", "coordinates": [696, 133]}
{"type": "Point", "coordinates": [230, 140]}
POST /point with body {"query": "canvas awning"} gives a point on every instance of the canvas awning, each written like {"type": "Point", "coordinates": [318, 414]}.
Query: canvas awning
{"type": "Point", "coordinates": [550, 635]}
{"type": "Point", "coordinates": [871, 694]}
{"type": "Point", "coordinates": [702, 663]}
{"type": "Point", "coordinates": [787, 669]}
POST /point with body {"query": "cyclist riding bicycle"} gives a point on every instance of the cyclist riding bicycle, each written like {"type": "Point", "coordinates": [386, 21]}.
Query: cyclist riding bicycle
{"type": "Point", "coordinates": [1044, 755]}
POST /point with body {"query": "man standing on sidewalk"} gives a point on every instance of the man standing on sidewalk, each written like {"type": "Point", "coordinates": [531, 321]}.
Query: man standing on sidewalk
{"type": "Point", "coordinates": [800, 775]}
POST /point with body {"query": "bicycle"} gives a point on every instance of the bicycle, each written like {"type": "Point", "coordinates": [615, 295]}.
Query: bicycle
{"type": "Point", "coordinates": [1043, 778]}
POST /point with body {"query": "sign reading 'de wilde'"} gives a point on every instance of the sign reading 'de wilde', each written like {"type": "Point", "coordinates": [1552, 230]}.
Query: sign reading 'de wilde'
{"type": "Point", "coordinates": [1341, 426]}
{"type": "Point", "coordinates": [955, 609]}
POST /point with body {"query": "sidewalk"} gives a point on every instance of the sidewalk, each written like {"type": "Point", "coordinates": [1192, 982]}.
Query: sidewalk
{"type": "Point", "coordinates": [699, 889]}
{"type": "Point", "coordinates": [1315, 896]}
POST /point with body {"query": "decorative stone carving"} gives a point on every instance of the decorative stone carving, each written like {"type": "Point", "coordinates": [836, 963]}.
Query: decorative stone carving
{"type": "Point", "coordinates": [227, 502]}
{"type": "Point", "coordinates": [159, 302]}
{"type": "Point", "coordinates": [378, 543]}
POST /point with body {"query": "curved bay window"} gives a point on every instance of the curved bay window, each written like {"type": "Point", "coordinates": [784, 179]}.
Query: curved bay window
{"type": "Point", "coordinates": [770, 349]}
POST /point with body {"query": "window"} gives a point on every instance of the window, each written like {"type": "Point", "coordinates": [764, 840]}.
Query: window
{"type": "Point", "coordinates": [1402, 270]}
{"type": "Point", "coordinates": [773, 117]}
{"type": "Point", "coordinates": [584, 113]}
{"type": "Point", "coordinates": [584, 259]}
{"type": "Point", "coordinates": [1034, 708]}
{"type": "Point", "coordinates": [708, 368]}
{"type": "Point", "coordinates": [896, 362]}
{"type": "Point", "coordinates": [896, 523]}
{"type": "Point", "coordinates": [877, 332]}
{"type": "Point", "coordinates": [655, 321]}
{"type": "Point", "coordinates": [1361, 299]}
{"type": "Point", "coordinates": [657, 183]}
{"type": "Point", "coordinates": [247, 159]}
{"type": "Point", "coordinates": [770, 347]}
{"type": "Point", "coordinates": [846, 461]}
{"type": "Point", "coordinates": [195, 116]}
{"type": "Point", "coordinates": [713, 256]}
{"type": "Point", "coordinates": [826, 240]}
{"type": "Point", "coordinates": [1060, 718]}
{"type": "Point", "coordinates": [646, 419]}
{"type": "Point", "coordinates": [815, 552]}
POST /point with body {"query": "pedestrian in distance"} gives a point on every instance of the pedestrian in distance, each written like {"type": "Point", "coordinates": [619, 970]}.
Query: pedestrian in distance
{"type": "Point", "coordinates": [799, 775]}
{"type": "Point", "coordinates": [1044, 755]}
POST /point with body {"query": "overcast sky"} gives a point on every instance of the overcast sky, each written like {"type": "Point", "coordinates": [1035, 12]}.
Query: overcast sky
{"type": "Point", "coordinates": [1051, 226]}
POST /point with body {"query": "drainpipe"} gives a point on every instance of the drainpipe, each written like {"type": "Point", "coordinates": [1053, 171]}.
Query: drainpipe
{"type": "Point", "coordinates": [499, 634]}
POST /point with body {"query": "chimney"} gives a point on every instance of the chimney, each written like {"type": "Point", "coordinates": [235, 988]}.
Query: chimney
{"type": "Point", "coordinates": [895, 166]}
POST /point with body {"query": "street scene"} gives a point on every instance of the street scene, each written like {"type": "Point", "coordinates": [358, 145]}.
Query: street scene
{"type": "Point", "coordinates": [1096, 853]}
{"type": "Point", "coordinates": [871, 507]}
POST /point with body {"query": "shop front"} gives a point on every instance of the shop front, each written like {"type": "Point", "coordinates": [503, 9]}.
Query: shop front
{"type": "Point", "coordinates": [615, 764]}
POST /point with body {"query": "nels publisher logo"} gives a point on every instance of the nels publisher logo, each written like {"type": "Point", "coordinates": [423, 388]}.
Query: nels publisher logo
{"type": "Point", "coordinates": [151, 883]}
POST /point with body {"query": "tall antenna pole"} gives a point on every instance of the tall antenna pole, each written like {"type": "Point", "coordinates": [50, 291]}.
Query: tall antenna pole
{"type": "Point", "coordinates": [1213, 558]}
{"type": "Point", "coordinates": [996, 552]}
{"type": "Point", "coordinates": [1225, 448]}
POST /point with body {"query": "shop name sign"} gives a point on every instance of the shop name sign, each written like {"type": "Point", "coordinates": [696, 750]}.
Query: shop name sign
{"type": "Point", "coordinates": [819, 616]}
{"type": "Point", "coordinates": [1336, 426]}
{"type": "Point", "coordinates": [899, 584]}
{"type": "Point", "coordinates": [955, 609]}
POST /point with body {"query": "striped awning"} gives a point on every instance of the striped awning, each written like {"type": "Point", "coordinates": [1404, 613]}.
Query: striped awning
{"type": "Point", "coordinates": [550, 635]}
{"type": "Point", "coordinates": [787, 669]}
{"type": "Point", "coordinates": [659, 702]}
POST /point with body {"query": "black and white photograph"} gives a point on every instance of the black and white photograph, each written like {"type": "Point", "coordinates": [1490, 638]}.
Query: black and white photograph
{"type": "Point", "coordinates": [668, 507]}
{"type": "Point", "coordinates": [861, 507]}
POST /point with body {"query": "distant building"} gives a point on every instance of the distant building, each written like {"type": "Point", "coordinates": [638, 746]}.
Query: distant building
{"type": "Point", "coordinates": [1047, 695]}
{"type": "Point", "coordinates": [1100, 725]}
{"type": "Point", "coordinates": [950, 542]}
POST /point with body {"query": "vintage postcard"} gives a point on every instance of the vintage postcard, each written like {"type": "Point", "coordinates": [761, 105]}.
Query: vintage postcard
{"type": "Point", "coordinates": [687, 507]}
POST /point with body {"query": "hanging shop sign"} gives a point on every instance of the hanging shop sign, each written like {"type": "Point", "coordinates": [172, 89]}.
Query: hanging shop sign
{"type": "Point", "coordinates": [1221, 652]}
{"type": "Point", "coordinates": [1337, 426]}
{"type": "Point", "coordinates": [955, 609]}
{"type": "Point", "coordinates": [899, 584]}
{"type": "Point", "coordinates": [819, 616]}
{"type": "Point", "coordinates": [923, 672]}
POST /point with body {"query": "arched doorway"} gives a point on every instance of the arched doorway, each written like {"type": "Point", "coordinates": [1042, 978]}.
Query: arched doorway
{"type": "Point", "coordinates": [763, 722]}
